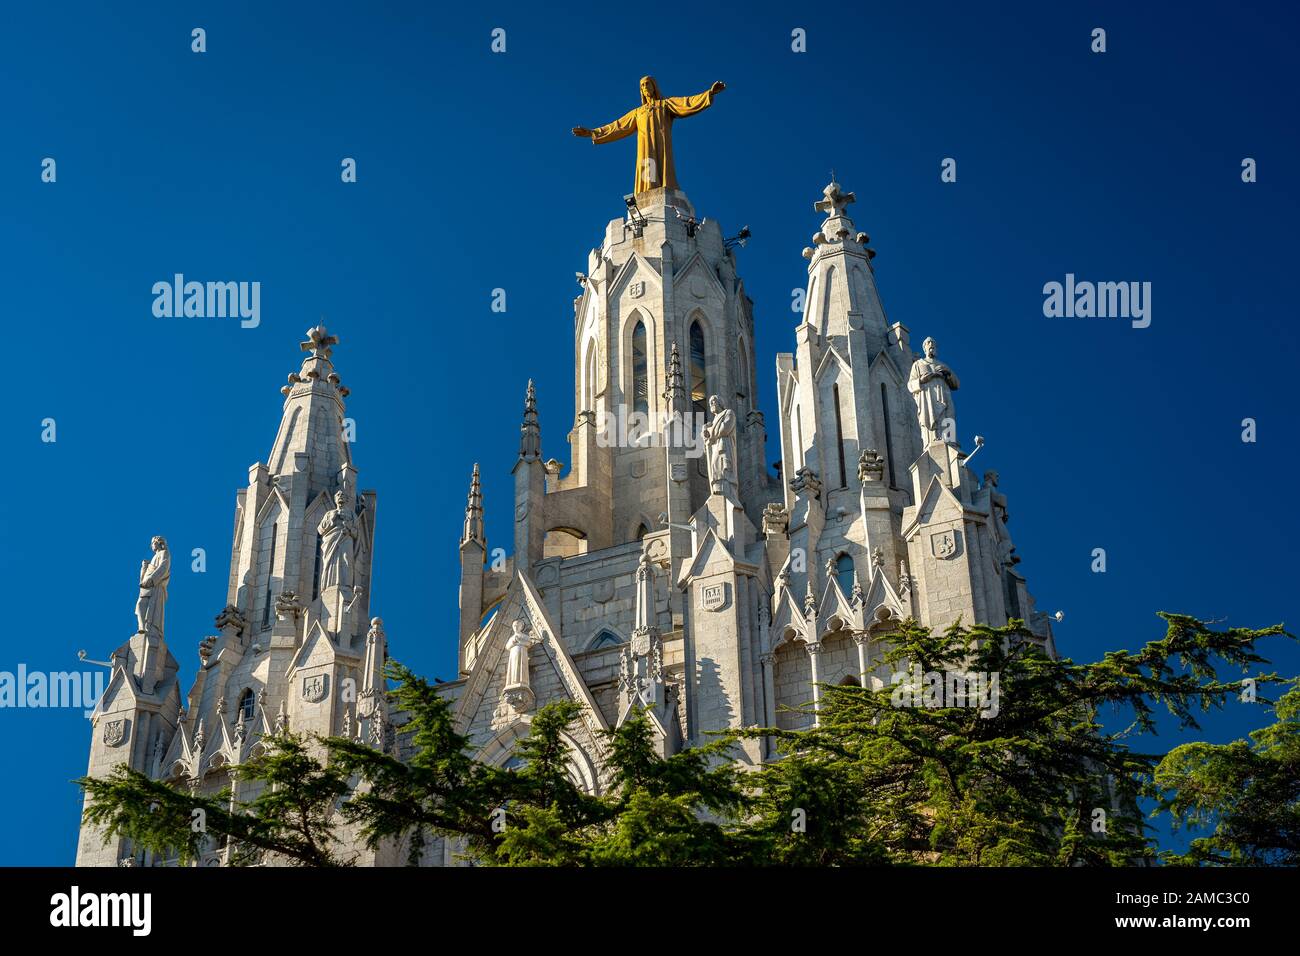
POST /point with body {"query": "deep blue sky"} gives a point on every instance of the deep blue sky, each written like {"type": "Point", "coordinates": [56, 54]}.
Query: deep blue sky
{"type": "Point", "coordinates": [225, 166]}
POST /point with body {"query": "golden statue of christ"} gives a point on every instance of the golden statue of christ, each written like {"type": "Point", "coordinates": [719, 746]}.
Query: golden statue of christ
{"type": "Point", "coordinates": [652, 122]}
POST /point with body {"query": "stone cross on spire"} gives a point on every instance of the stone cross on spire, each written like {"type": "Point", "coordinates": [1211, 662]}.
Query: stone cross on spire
{"type": "Point", "coordinates": [834, 201]}
{"type": "Point", "coordinates": [838, 227]}
{"type": "Point", "coordinates": [319, 342]}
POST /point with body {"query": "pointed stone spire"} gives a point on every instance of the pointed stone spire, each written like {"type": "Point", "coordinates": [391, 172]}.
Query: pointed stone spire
{"type": "Point", "coordinates": [674, 391]}
{"type": "Point", "coordinates": [810, 598]}
{"type": "Point", "coordinates": [530, 432]}
{"type": "Point", "coordinates": [312, 421]}
{"type": "Point", "coordinates": [473, 529]}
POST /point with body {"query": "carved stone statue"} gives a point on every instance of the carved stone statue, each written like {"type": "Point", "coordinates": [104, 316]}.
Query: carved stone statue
{"type": "Point", "coordinates": [720, 440]}
{"type": "Point", "coordinates": [517, 647]}
{"type": "Point", "coordinates": [338, 531]}
{"type": "Point", "coordinates": [154, 575]}
{"type": "Point", "coordinates": [932, 384]}
{"type": "Point", "coordinates": [652, 122]}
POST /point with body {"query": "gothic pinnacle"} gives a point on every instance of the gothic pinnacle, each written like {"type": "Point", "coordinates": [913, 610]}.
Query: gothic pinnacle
{"type": "Point", "coordinates": [473, 530]}
{"type": "Point", "coordinates": [673, 391]}
{"type": "Point", "coordinates": [530, 433]}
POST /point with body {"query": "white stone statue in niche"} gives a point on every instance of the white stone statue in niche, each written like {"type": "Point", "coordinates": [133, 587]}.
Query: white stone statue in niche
{"type": "Point", "coordinates": [338, 531]}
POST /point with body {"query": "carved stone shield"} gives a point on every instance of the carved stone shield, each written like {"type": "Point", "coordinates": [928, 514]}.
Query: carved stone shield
{"type": "Point", "coordinates": [315, 687]}
{"type": "Point", "coordinates": [636, 289]}
{"type": "Point", "coordinates": [945, 544]}
{"type": "Point", "coordinates": [713, 596]}
{"type": "Point", "coordinates": [116, 732]}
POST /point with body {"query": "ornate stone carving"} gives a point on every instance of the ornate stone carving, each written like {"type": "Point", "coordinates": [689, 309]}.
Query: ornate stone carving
{"type": "Point", "coordinates": [871, 466]}
{"type": "Point", "coordinates": [806, 483]}
{"type": "Point", "coordinates": [713, 597]}
{"type": "Point", "coordinates": [154, 576]}
{"type": "Point", "coordinates": [946, 544]}
{"type": "Point", "coordinates": [287, 605]}
{"type": "Point", "coordinates": [775, 518]}
{"type": "Point", "coordinates": [116, 732]}
{"type": "Point", "coordinates": [315, 687]}
{"type": "Point", "coordinates": [230, 616]}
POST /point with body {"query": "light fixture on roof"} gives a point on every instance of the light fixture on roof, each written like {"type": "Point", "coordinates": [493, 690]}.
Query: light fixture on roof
{"type": "Point", "coordinates": [739, 239]}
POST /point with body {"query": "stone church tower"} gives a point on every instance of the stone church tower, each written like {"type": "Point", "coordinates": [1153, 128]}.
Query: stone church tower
{"type": "Point", "coordinates": [643, 578]}
{"type": "Point", "coordinates": [665, 568]}
{"type": "Point", "coordinates": [295, 646]}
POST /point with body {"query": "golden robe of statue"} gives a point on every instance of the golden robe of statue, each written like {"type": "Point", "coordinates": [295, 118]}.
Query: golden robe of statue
{"type": "Point", "coordinates": [652, 122]}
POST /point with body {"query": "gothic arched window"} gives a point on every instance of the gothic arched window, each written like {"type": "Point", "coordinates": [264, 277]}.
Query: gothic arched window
{"type": "Point", "coordinates": [844, 573]}
{"type": "Point", "coordinates": [699, 378]}
{"type": "Point", "coordinates": [604, 639]}
{"type": "Point", "coordinates": [839, 437]}
{"type": "Point", "coordinates": [641, 531]}
{"type": "Point", "coordinates": [589, 378]}
{"type": "Point", "coordinates": [246, 704]}
{"type": "Point", "coordinates": [640, 379]}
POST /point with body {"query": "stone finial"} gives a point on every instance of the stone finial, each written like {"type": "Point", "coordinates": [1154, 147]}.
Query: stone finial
{"type": "Point", "coordinates": [205, 647]}
{"type": "Point", "coordinates": [810, 599]}
{"type": "Point", "coordinates": [230, 616]}
{"type": "Point", "coordinates": [877, 557]}
{"type": "Point", "coordinates": [473, 528]}
{"type": "Point", "coordinates": [319, 342]}
{"type": "Point", "coordinates": [775, 518]}
{"type": "Point", "coordinates": [530, 432]}
{"type": "Point", "coordinates": [834, 201]}
{"type": "Point", "coordinates": [316, 364]}
{"type": "Point", "coordinates": [871, 466]}
{"type": "Point", "coordinates": [858, 597]}
{"type": "Point", "coordinates": [806, 483]}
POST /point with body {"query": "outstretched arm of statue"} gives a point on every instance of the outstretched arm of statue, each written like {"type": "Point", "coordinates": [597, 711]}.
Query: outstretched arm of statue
{"type": "Point", "coordinates": [689, 105]}
{"type": "Point", "coordinates": [625, 125]}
